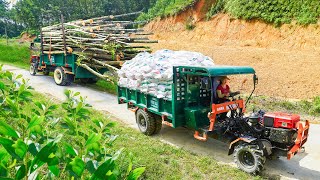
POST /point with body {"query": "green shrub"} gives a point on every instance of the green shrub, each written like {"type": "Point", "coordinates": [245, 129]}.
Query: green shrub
{"type": "Point", "coordinates": [190, 24]}
{"type": "Point", "coordinates": [164, 8]}
{"type": "Point", "coordinates": [216, 8]}
{"type": "Point", "coordinates": [316, 105]}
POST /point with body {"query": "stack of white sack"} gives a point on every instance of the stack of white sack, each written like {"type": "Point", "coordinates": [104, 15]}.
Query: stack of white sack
{"type": "Point", "coordinates": [152, 73]}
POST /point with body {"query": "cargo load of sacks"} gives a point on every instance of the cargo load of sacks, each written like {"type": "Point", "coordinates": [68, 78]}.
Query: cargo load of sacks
{"type": "Point", "coordinates": [153, 73]}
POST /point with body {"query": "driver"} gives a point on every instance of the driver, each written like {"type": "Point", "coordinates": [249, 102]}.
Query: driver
{"type": "Point", "coordinates": [223, 90]}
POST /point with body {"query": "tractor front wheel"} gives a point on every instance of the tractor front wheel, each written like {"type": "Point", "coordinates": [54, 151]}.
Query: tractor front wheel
{"type": "Point", "coordinates": [249, 158]}
{"type": "Point", "coordinates": [61, 78]}
{"type": "Point", "coordinates": [33, 69]}
{"type": "Point", "coordinates": [146, 122]}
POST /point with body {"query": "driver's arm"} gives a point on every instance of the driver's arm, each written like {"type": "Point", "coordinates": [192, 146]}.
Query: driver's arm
{"type": "Point", "coordinates": [220, 95]}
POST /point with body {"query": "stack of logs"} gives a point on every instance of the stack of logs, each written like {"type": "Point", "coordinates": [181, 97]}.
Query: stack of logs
{"type": "Point", "coordinates": [103, 42]}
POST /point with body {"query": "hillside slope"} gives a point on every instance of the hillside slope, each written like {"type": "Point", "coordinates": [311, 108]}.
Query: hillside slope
{"type": "Point", "coordinates": [285, 58]}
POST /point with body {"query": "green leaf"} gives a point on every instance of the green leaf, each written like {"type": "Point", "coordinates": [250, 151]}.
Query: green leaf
{"type": "Point", "coordinates": [33, 149]}
{"type": "Point", "coordinates": [35, 121]}
{"type": "Point", "coordinates": [20, 148]}
{"type": "Point", "coordinates": [76, 94]}
{"type": "Point", "coordinates": [70, 150]}
{"type": "Point", "coordinates": [93, 142]}
{"type": "Point", "coordinates": [112, 139]}
{"type": "Point", "coordinates": [40, 105]}
{"type": "Point", "coordinates": [7, 130]}
{"type": "Point", "coordinates": [105, 170]}
{"type": "Point", "coordinates": [7, 144]}
{"type": "Point", "coordinates": [90, 166]}
{"type": "Point", "coordinates": [77, 166]}
{"type": "Point", "coordinates": [45, 156]}
{"type": "Point", "coordinates": [53, 107]}
{"type": "Point", "coordinates": [54, 170]}
{"type": "Point", "coordinates": [21, 173]}
{"type": "Point", "coordinates": [117, 154]}
{"type": "Point", "coordinates": [94, 137]}
{"type": "Point", "coordinates": [136, 173]}
{"type": "Point", "coordinates": [2, 86]}
{"type": "Point", "coordinates": [35, 124]}
{"type": "Point", "coordinates": [19, 76]}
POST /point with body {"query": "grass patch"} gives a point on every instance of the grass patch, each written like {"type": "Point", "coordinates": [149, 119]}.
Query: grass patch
{"type": "Point", "coordinates": [14, 53]}
{"type": "Point", "coordinates": [303, 107]}
{"type": "Point", "coordinates": [106, 86]}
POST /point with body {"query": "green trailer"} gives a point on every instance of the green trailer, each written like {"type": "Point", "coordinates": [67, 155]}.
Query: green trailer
{"type": "Point", "coordinates": [64, 67]}
{"type": "Point", "coordinates": [191, 96]}
{"type": "Point", "coordinates": [194, 105]}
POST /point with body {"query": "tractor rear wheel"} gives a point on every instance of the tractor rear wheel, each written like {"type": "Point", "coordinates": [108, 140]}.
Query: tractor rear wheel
{"type": "Point", "coordinates": [61, 78]}
{"type": "Point", "coordinates": [158, 124]}
{"type": "Point", "coordinates": [146, 122]}
{"type": "Point", "coordinates": [249, 158]}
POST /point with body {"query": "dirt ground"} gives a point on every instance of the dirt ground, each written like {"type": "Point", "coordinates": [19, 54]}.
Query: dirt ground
{"type": "Point", "coordinates": [286, 58]}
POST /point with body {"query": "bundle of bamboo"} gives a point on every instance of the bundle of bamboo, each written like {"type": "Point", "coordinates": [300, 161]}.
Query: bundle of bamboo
{"type": "Point", "coordinates": [99, 42]}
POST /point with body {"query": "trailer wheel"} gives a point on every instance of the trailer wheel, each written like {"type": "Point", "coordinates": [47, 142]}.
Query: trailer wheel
{"type": "Point", "coordinates": [146, 122]}
{"type": "Point", "coordinates": [61, 78]}
{"type": "Point", "coordinates": [249, 158]}
{"type": "Point", "coordinates": [158, 124]}
{"type": "Point", "coordinates": [32, 69]}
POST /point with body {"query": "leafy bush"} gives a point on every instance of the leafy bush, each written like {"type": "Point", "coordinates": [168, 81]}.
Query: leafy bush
{"type": "Point", "coordinates": [216, 8]}
{"type": "Point", "coordinates": [34, 143]}
{"type": "Point", "coordinates": [163, 8]}
{"type": "Point", "coordinates": [316, 105]}
{"type": "Point", "coordinates": [190, 24]}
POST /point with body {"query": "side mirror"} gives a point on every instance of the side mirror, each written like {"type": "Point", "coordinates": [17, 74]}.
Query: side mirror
{"type": "Point", "coordinates": [205, 83]}
{"type": "Point", "coordinates": [255, 79]}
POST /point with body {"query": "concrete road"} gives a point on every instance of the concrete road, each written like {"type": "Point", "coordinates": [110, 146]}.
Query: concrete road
{"type": "Point", "coordinates": [303, 166]}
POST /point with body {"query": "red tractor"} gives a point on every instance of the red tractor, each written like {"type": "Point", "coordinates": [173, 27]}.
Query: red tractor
{"type": "Point", "coordinates": [252, 139]}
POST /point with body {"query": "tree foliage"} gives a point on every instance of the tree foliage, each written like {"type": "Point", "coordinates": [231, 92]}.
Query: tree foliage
{"type": "Point", "coordinates": [163, 8]}
{"type": "Point", "coordinates": [33, 14]}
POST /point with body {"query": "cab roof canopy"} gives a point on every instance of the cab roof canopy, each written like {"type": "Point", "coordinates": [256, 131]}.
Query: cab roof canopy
{"type": "Point", "coordinates": [216, 70]}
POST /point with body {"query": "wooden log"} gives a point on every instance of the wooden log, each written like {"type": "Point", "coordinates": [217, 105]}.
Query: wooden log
{"type": "Point", "coordinates": [107, 78]}
{"type": "Point", "coordinates": [53, 52]}
{"type": "Point", "coordinates": [106, 64]}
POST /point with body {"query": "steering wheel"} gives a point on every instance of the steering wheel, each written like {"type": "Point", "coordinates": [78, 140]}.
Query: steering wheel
{"type": "Point", "coordinates": [234, 94]}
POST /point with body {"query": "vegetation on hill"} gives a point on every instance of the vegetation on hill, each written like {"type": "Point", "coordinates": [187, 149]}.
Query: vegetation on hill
{"type": "Point", "coordinates": [271, 11]}
{"type": "Point", "coordinates": [163, 8]}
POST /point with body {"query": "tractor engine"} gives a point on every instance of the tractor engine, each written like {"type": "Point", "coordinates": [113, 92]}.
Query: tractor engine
{"type": "Point", "coordinates": [280, 128]}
